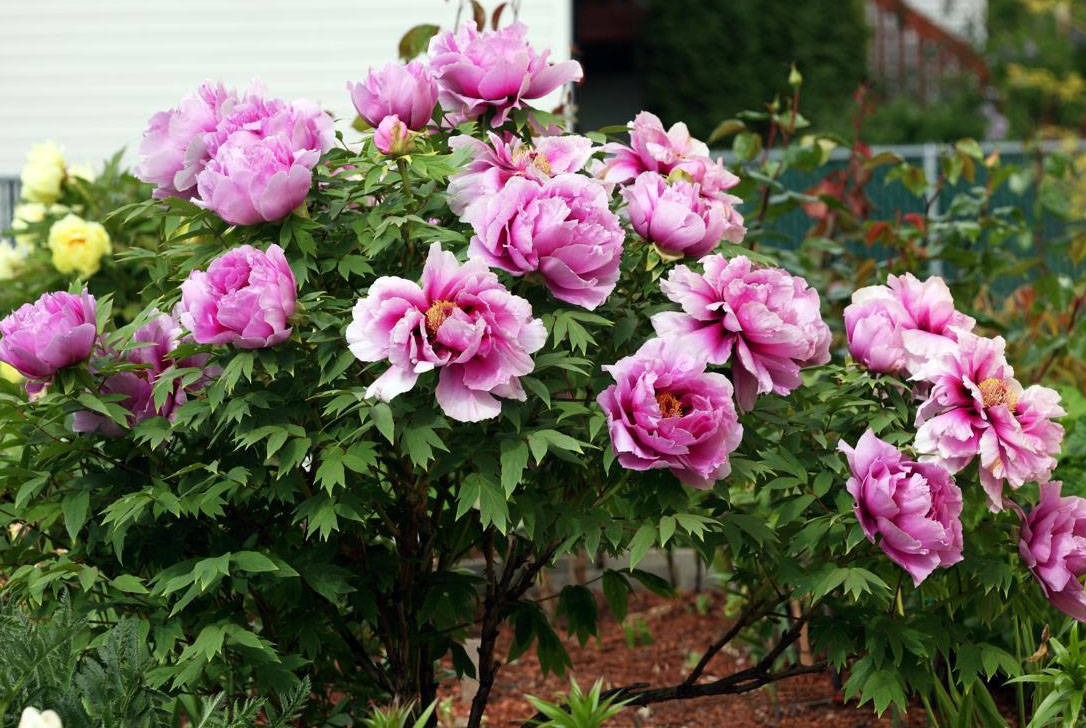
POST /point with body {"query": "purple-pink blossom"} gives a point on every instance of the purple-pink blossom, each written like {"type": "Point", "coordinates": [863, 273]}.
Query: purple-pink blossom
{"type": "Point", "coordinates": [407, 91]}
{"type": "Point", "coordinates": [676, 218]}
{"type": "Point", "coordinates": [561, 229]}
{"type": "Point", "coordinates": [173, 152]}
{"type": "Point", "coordinates": [460, 319]}
{"type": "Point", "coordinates": [150, 348]}
{"type": "Point", "coordinates": [977, 407]}
{"type": "Point", "coordinates": [898, 327]}
{"type": "Point", "coordinates": [665, 411]}
{"type": "Point", "coordinates": [245, 299]}
{"type": "Point", "coordinates": [251, 180]}
{"type": "Point", "coordinates": [493, 163]}
{"type": "Point", "coordinates": [493, 70]}
{"type": "Point", "coordinates": [1052, 544]}
{"type": "Point", "coordinates": [655, 149]}
{"type": "Point", "coordinates": [766, 321]}
{"type": "Point", "coordinates": [56, 331]}
{"type": "Point", "coordinates": [911, 510]}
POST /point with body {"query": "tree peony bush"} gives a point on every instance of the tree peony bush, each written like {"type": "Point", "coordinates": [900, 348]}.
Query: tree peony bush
{"type": "Point", "coordinates": [368, 388]}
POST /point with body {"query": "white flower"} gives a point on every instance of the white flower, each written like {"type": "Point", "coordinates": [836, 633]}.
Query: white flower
{"type": "Point", "coordinates": [43, 173]}
{"type": "Point", "coordinates": [31, 718]}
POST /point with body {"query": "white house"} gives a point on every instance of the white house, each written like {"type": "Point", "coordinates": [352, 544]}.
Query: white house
{"type": "Point", "coordinates": [88, 74]}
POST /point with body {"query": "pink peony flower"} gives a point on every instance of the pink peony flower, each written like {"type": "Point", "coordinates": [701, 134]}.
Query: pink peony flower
{"type": "Point", "coordinates": [766, 321]}
{"type": "Point", "coordinates": [262, 155]}
{"type": "Point", "coordinates": [977, 407]}
{"type": "Point", "coordinates": [392, 137]}
{"type": "Point", "coordinates": [899, 326]}
{"type": "Point", "coordinates": [1053, 545]}
{"type": "Point", "coordinates": [244, 299]}
{"type": "Point", "coordinates": [561, 229]}
{"type": "Point", "coordinates": [911, 510]}
{"type": "Point", "coordinates": [173, 152]}
{"type": "Point", "coordinates": [458, 318]}
{"type": "Point", "coordinates": [495, 69]}
{"type": "Point", "coordinates": [665, 411]}
{"type": "Point", "coordinates": [40, 338]}
{"type": "Point", "coordinates": [254, 180]}
{"type": "Point", "coordinates": [397, 89]}
{"type": "Point", "coordinates": [153, 343]}
{"type": "Point", "coordinates": [655, 149]}
{"type": "Point", "coordinates": [493, 164]}
{"type": "Point", "coordinates": [675, 217]}
{"type": "Point", "coordinates": [714, 180]}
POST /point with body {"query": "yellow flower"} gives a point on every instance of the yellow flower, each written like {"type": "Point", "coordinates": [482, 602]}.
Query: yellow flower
{"type": "Point", "coordinates": [12, 258]}
{"type": "Point", "coordinates": [43, 173]}
{"type": "Point", "coordinates": [78, 245]}
{"type": "Point", "coordinates": [8, 373]}
{"type": "Point", "coordinates": [83, 171]}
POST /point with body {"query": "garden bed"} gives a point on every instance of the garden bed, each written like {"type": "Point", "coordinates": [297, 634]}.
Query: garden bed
{"type": "Point", "coordinates": [677, 628]}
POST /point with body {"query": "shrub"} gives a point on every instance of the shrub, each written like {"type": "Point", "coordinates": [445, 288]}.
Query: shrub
{"type": "Point", "coordinates": [424, 364]}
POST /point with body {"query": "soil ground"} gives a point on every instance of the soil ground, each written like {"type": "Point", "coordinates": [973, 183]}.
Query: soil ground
{"type": "Point", "coordinates": [677, 629]}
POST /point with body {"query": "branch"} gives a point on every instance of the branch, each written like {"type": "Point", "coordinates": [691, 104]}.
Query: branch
{"type": "Point", "coordinates": [753, 611]}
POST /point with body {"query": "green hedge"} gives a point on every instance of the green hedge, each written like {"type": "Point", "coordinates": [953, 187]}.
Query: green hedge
{"type": "Point", "coordinates": [703, 61]}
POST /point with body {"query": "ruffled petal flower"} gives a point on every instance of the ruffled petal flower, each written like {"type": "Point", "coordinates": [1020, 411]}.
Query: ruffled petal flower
{"type": "Point", "coordinates": [911, 510]}
{"type": "Point", "coordinates": [665, 411]}
{"type": "Point", "coordinates": [458, 318]}
{"type": "Point", "coordinates": [766, 321]}
{"type": "Point", "coordinates": [977, 408]}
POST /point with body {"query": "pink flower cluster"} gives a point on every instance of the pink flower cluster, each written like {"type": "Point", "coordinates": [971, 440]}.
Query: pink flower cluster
{"type": "Point", "coordinates": [249, 159]}
{"type": "Point", "coordinates": [912, 510]}
{"type": "Point", "coordinates": [470, 72]}
{"type": "Point", "coordinates": [458, 319]}
{"type": "Point", "coordinates": [677, 196]}
{"type": "Point", "coordinates": [897, 327]}
{"type": "Point", "coordinates": [765, 321]}
{"type": "Point", "coordinates": [973, 409]}
{"type": "Point", "coordinates": [150, 348]}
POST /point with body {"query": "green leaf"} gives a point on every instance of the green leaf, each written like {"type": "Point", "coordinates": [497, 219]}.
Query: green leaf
{"type": "Point", "coordinates": [514, 458]}
{"type": "Point", "coordinates": [130, 584]}
{"type": "Point", "coordinates": [253, 561]}
{"type": "Point", "coordinates": [616, 591]}
{"type": "Point", "coordinates": [415, 40]}
{"type": "Point", "coordinates": [641, 542]}
{"type": "Point", "coordinates": [381, 414]}
{"type": "Point", "coordinates": [75, 507]}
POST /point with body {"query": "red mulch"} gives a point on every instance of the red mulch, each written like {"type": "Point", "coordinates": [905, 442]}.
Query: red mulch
{"type": "Point", "coordinates": [677, 630]}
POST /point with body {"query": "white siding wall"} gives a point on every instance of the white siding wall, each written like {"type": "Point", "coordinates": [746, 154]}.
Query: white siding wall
{"type": "Point", "coordinates": [88, 73]}
{"type": "Point", "coordinates": [965, 18]}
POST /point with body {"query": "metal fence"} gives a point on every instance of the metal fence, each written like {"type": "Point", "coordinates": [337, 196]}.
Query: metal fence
{"type": "Point", "coordinates": [9, 198]}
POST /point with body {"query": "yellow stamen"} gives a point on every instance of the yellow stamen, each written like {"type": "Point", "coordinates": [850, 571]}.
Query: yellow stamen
{"type": "Point", "coordinates": [669, 404]}
{"type": "Point", "coordinates": [436, 315]}
{"type": "Point", "coordinates": [994, 392]}
{"type": "Point", "coordinates": [542, 164]}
